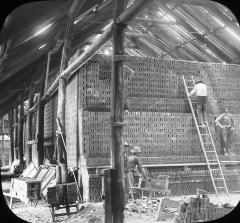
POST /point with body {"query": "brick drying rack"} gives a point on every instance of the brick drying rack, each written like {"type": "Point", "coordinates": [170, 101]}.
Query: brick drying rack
{"type": "Point", "coordinates": [158, 120]}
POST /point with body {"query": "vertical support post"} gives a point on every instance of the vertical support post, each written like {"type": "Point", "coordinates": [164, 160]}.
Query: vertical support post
{"type": "Point", "coordinates": [11, 134]}
{"type": "Point", "coordinates": [40, 131]}
{"type": "Point", "coordinates": [3, 143]}
{"type": "Point", "coordinates": [20, 131]}
{"type": "Point", "coordinates": [16, 124]}
{"type": "Point", "coordinates": [107, 197]}
{"type": "Point", "coordinates": [62, 84]}
{"type": "Point", "coordinates": [47, 71]}
{"type": "Point", "coordinates": [29, 127]}
{"type": "Point", "coordinates": [117, 182]}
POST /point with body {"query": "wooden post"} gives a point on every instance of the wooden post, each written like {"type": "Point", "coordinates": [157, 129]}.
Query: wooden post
{"type": "Point", "coordinates": [47, 71]}
{"type": "Point", "coordinates": [11, 134]}
{"type": "Point", "coordinates": [107, 197]}
{"type": "Point", "coordinates": [117, 117]}
{"type": "Point", "coordinates": [20, 131]}
{"type": "Point", "coordinates": [16, 151]}
{"type": "Point", "coordinates": [3, 152]}
{"type": "Point", "coordinates": [62, 84]}
{"type": "Point", "coordinates": [40, 130]}
{"type": "Point", "coordinates": [29, 127]}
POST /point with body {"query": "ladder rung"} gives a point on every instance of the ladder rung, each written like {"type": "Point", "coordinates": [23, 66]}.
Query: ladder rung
{"type": "Point", "coordinates": [218, 178]}
{"type": "Point", "coordinates": [215, 169]}
{"type": "Point", "coordinates": [220, 187]}
{"type": "Point", "coordinates": [210, 151]}
{"type": "Point", "coordinates": [205, 134]}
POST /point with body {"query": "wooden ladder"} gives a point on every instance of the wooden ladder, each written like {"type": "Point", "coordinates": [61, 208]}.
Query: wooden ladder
{"type": "Point", "coordinates": [208, 147]}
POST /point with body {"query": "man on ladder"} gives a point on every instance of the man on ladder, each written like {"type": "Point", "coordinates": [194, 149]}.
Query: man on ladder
{"type": "Point", "coordinates": [205, 137]}
{"type": "Point", "coordinates": [200, 90]}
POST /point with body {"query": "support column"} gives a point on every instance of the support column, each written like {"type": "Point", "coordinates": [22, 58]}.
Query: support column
{"type": "Point", "coordinates": [3, 144]}
{"type": "Point", "coordinates": [62, 84]}
{"type": "Point", "coordinates": [11, 135]}
{"type": "Point", "coordinates": [20, 131]}
{"type": "Point", "coordinates": [29, 127]}
{"type": "Point", "coordinates": [117, 181]}
{"type": "Point", "coordinates": [40, 130]}
{"type": "Point", "coordinates": [16, 151]}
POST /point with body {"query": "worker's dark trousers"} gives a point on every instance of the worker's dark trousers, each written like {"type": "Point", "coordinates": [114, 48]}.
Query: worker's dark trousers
{"type": "Point", "coordinates": [226, 139]}
{"type": "Point", "coordinates": [201, 114]}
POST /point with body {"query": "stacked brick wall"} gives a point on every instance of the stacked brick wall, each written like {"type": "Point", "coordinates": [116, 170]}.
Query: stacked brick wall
{"type": "Point", "coordinates": [50, 113]}
{"type": "Point", "coordinates": [156, 85]}
{"type": "Point", "coordinates": [158, 134]}
{"type": "Point", "coordinates": [71, 121]}
{"type": "Point", "coordinates": [159, 118]}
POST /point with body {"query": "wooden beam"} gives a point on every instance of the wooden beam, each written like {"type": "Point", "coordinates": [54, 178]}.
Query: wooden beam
{"type": "Point", "coordinates": [34, 107]}
{"type": "Point", "coordinates": [3, 144]}
{"type": "Point", "coordinates": [117, 180]}
{"type": "Point", "coordinates": [16, 138]}
{"type": "Point", "coordinates": [149, 20]}
{"type": "Point", "coordinates": [93, 49]}
{"type": "Point", "coordinates": [11, 135]}
{"type": "Point", "coordinates": [196, 2]}
{"type": "Point", "coordinates": [61, 139]}
{"type": "Point", "coordinates": [29, 126]}
{"type": "Point", "coordinates": [88, 54]}
{"type": "Point", "coordinates": [133, 10]}
{"type": "Point", "coordinates": [47, 71]}
{"type": "Point", "coordinates": [40, 130]}
{"type": "Point", "coordinates": [20, 130]}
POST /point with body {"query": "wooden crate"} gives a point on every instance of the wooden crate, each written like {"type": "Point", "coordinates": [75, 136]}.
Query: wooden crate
{"type": "Point", "coordinates": [25, 189]}
{"type": "Point", "coordinates": [55, 194]}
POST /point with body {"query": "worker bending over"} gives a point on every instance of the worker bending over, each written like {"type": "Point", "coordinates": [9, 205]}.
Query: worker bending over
{"type": "Point", "coordinates": [132, 165]}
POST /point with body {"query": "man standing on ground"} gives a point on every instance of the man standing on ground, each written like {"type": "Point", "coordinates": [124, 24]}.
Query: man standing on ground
{"type": "Point", "coordinates": [200, 89]}
{"type": "Point", "coordinates": [226, 123]}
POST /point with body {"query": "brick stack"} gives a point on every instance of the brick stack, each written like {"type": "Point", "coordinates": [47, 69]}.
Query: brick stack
{"type": "Point", "coordinates": [187, 181]}
{"type": "Point", "coordinates": [159, 118]}
{"type": "Point", "coordinates": [199, 209]}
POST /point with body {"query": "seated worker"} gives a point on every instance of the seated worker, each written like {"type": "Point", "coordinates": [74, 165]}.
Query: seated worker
{"type": "Point", "coordinates": [131, 163]}
{"type": "Point", "coordinates": [226, 123]}
{"type": "Point", "coordinates": [200, 90]}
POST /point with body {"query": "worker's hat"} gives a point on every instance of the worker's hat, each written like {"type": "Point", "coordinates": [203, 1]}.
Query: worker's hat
{"type": "Point", "coordinates": [198, 78]}
{"type": "Point", "coordinates": [136, 149]}
{"type": "Point", "coordinates": [125, 143]}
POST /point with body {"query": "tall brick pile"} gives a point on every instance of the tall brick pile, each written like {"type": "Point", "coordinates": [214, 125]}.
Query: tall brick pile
{"type": "Point", "coordinates": [158, 120]}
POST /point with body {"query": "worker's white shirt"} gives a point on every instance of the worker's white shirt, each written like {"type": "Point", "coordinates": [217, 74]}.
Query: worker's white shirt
{"type": "Point", "coordinates": [200, 89]}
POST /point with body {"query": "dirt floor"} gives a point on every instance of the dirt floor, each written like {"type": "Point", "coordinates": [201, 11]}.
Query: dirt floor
{"type": "Point", "coordinates": [139, 211]}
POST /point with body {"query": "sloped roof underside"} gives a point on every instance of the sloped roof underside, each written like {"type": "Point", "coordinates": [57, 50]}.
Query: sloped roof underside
{"type": "Point", "coordinates": [193, 30]}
